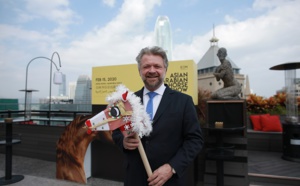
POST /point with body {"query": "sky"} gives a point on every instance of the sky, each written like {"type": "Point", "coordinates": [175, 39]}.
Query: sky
{"type": "Point", "coordinates": [257, 34]}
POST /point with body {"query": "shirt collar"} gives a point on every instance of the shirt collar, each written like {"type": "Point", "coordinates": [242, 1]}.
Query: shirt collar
{"type": "Point", "coordinates": [159, 91]}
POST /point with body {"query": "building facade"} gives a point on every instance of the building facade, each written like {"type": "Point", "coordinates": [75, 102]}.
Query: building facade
{"type": "Point", "coordinates": [83, 97]}
{"type": "Point", "coordinates": [72, 89]}
{"type": "Point", "coordinates": [62, 89]}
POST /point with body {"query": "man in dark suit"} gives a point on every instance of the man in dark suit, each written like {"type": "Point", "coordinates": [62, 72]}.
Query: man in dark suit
{"type": "Point", "coordinates": [176, 138]}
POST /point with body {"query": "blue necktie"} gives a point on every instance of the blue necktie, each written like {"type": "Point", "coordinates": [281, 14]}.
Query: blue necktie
{"type": "Point", "coordinates": [149, 108]}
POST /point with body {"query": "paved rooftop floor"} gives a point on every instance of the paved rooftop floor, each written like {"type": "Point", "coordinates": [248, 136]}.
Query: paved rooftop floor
{"type": "Point", "coordinates": [39, 172]}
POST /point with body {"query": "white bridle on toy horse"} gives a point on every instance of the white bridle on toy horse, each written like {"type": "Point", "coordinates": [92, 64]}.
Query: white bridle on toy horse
{"type": "Point", "coordinates": [111, 118]}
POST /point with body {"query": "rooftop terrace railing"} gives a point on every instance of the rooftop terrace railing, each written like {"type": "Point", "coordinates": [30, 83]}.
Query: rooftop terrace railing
{"type": "Point", "coordinates": [43, 117]}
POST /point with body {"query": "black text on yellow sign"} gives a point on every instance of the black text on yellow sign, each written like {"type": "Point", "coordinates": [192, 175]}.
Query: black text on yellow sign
{"type": "Point", "coordinates": [181, 76]}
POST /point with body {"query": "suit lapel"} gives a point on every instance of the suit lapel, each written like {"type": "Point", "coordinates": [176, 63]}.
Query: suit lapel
{"type": "Point", "coordinates": [140, 94]}
{"type": "Point", "coordinates": [164, 103]}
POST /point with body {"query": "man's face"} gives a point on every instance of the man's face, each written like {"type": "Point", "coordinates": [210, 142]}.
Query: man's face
{"type": "Point", "coordinates": [152, 71]}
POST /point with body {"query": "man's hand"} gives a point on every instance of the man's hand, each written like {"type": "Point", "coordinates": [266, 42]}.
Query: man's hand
{"type": "Point", "coordinates": [160, 175]}
{"type": "Point", "coordinates": [130, 142]}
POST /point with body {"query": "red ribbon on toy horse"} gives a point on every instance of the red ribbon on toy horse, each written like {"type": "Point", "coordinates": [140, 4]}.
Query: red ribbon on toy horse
{"type": "Point", "coordinates": [125, 112]}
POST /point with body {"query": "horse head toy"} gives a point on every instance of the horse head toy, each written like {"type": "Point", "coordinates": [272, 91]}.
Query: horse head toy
{"type": "Point", "coordinates": [124, 111]}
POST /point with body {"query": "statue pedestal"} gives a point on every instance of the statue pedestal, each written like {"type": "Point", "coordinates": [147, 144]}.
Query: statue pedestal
{"type": "Point", "coordinates": [226, 142]}
{"type": "Point", "coordinates": [231, 112]}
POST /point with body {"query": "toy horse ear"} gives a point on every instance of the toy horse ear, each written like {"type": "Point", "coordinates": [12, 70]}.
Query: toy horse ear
{"type": "Point", "coordinates": [124, 96]}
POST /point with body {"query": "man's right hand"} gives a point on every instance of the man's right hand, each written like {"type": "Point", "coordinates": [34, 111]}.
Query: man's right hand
{"type": "Point", "coordinates": [130, 142]}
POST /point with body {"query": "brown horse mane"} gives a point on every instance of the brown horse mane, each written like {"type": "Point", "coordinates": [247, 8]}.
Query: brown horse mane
{"type": "Point", "coordinates": [71, 148]}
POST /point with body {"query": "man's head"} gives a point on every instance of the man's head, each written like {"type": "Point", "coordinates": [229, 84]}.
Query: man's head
{"type": "Point", "coordinates": [152, 66]}
{"type": "Point", "coordinates": [222, 53]}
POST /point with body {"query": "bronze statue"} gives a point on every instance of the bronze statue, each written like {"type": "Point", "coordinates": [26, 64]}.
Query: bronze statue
{"type": "Point", "coordinates": [224, 72]}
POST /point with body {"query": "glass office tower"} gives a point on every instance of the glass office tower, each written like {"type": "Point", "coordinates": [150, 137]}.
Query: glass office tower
{"type": "Point", "coordinates": [72, 89]}
{"type": "Point", "coordinates": [163, 35]}
{"type": "Point", "coordinates": [83, 93]}
{"type": "Point", "coordinates": [62, 87]}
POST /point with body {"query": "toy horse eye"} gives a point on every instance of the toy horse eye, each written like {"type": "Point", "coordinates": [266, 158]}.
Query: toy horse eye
{"type": "Point", "coordinates": [114, 111]}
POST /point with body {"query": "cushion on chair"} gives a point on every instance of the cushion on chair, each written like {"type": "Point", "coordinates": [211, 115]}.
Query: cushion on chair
{"type": "Point", "coordinates": [256, 121]}
{"type": "Point", "coordinates": [270, 123]}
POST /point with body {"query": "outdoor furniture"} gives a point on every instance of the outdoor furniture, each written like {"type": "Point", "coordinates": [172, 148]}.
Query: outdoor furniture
{"type": "Point", "coordinates": [221, 152]}
{"type": "Point", "coordinates": [226, 160]}
{"type": "Point", "coordinates": [9, 142]}
{"type": "Point", "coordinates": [291, 125]}
{"type": "Point", "coordinates": [291, 142]}
{"type": "Point", "coordinates": [259, 140]}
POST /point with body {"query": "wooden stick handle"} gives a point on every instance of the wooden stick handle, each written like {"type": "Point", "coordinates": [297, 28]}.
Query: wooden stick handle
{"type": "Point", "coordinates": [144, 157]}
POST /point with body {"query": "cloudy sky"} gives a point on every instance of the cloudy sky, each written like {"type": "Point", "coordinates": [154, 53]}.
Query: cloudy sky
{"type": "Point", "coordinates": [258, 34]}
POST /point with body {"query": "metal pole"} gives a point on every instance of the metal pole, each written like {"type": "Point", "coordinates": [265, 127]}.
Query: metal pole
{"type": "Point", "coordinates": [49, 114]}
{"type": "Point", "coordinates": [8, 154]}
{"type": "Point", "coordinates": [51, 82]}
{"type": "Point", "coordinates": [26, 79]}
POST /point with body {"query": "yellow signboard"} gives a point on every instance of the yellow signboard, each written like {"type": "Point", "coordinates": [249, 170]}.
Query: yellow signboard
{"type": "Point", "coordinates": [181, 76]}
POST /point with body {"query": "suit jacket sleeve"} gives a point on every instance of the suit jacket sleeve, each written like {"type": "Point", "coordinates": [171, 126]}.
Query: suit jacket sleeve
{"type": "Point", "coordinates": [192, 139]}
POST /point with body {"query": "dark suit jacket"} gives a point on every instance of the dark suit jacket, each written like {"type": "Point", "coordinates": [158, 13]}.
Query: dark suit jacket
{"type": "Point", "coordinates": [176, 139]}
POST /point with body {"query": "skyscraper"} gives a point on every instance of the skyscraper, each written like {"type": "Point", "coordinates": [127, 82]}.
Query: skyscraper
{"type": "Point", "coordinates": [72, 89]}
{"type": "Point", "coordinates": [163, 35]}
{"type": "Point", "coordinates": [62, 87]}
{"type": "Point", "coordinates": [83, 93]}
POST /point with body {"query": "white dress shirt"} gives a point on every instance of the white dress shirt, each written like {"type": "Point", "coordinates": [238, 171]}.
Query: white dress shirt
{"type": "Point", "coordinates": [156, 99]}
